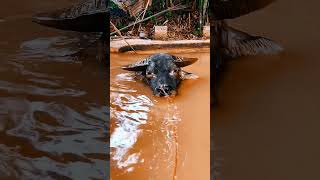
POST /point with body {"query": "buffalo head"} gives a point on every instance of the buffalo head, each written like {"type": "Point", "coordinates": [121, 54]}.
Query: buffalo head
{"type": "Point", "coordinates": [162, 72]}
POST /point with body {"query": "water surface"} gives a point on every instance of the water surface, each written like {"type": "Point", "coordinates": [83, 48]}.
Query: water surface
{"type": "Point", "coordinates": [267, 123]}
{"type": "Point", "coordinates": [52, 106]}
{"type": "Point", "coordinates": [159, 138]}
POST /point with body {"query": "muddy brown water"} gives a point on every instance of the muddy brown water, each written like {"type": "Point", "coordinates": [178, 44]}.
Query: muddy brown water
{"type": "Point", "coordinates": [159, 138]}
{"type": "Point", "coordinates": [267, 122]}
{"type": "Point", "coordinates": [52, 107]}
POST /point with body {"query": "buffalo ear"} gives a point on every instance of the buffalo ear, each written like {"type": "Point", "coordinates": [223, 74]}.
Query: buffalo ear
{"type": "Point", "coordinates": [186, 75]}
{"type": "Point", "coordinates": [137, 66]}
{"type": "Point", "coordinates": [183, 61]}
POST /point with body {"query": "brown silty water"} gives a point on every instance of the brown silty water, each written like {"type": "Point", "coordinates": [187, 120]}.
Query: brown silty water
{"type": "Point", "coordinates": [160, 138]}
{"type": "Point", "coordinates": [266, 126]}
{"type": "Point", "coordinates": [52, 107]}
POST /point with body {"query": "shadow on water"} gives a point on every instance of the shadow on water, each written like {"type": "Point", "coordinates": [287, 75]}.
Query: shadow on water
{"type": "Point", "coordinates": [53, 107]}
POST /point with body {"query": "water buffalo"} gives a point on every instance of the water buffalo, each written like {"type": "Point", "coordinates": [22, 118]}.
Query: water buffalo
{"type": "Point", "coordinates": [162, 72]}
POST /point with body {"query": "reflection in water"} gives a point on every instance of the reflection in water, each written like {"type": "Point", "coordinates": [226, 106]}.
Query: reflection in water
{"type": "Point", "coordinates": [169, 128]}
{"type": "Point", "coordinates": [53, 46]}
{"type": "Point", "coordinates": [52, 110]}
{"type": "Point", "coordinates": [135, 116]}
{"type": "Point", "coordinates": [55, 132]}
{"type": "Point", "coordinates": [28, 89]}
{"type": "Point", "coordinates": [130, 112]}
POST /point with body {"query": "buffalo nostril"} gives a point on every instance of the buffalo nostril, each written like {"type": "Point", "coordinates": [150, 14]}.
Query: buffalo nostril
{"type": "Point", "coordinates": [167, 88]}
{"type": "Point", "coordinates": [158, 89]}
{"type": "Point", "coordinates": [164, 88]}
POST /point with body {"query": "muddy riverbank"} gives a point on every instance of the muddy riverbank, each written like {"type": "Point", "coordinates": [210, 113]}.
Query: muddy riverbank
{"type": "Point", "coordinates": [121, 45]}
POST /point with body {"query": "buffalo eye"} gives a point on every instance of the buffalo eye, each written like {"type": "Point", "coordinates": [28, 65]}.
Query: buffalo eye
{"type": "Point", "coordinates": [150, 75]}
{"type": "Point", "coordinates": [174, 72]}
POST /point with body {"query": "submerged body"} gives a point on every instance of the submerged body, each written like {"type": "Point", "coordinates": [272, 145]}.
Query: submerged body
{"type": "Point", "coordinates": [162, 72]}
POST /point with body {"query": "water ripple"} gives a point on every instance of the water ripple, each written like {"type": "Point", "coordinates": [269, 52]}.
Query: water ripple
{"type": "Point", "coordinates": [34, 90]}
{"type": "Point", "coordinates": [55, 131]}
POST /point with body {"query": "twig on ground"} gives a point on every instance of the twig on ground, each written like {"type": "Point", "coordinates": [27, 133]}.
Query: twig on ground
{"type": "Point", "coordinates": [144, 13]}
{"type": "Point", "coordinates": [117, 30]}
